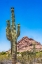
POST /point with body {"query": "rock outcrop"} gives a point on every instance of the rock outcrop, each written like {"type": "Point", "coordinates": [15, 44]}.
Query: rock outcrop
{"type": "Point", "coordinates": [27, 44]}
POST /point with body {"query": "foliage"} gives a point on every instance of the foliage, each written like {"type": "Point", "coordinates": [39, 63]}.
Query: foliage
{"type": "Point", "coordinates": [2, 53]}
{"type": "Point", "coordinates": [29, 57]}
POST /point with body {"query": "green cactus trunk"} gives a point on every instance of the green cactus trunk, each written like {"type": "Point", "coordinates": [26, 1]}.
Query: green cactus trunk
{"type": "Point", "coordinates": [14, 54]}
{"type": "Point", "coordinates": [12, 35]}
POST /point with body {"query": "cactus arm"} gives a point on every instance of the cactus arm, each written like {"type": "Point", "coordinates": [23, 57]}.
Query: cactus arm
{"type": "Point", "coordinates": [8, 30]}
{"type": "Point", "coordinates": [8, 23]}
{"type": "Point", "coordinates": [11, 47]}
{"type": "Point", "coordinates": [18, 30]}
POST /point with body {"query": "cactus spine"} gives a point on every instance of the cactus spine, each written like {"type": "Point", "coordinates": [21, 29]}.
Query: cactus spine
{"type": "Point", "coordinates": [12, 35]}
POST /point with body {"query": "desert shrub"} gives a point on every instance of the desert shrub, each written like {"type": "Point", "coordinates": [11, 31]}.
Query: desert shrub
{"type": "Point", "coordinates": [2, 53]}
{"type": "Point", "coordinates": [17, 52]}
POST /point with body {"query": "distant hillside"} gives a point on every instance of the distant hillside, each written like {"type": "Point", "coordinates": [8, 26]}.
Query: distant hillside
{"type": "Point", "coordinates": [27, 44]}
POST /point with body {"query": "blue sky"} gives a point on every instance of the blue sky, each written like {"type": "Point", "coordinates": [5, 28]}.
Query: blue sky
{"type": "Point", "coordinates": [28, 13]}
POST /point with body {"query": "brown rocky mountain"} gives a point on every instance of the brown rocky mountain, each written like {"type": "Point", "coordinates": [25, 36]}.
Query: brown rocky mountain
{"type": "Point", "coordinates": [26, 44]}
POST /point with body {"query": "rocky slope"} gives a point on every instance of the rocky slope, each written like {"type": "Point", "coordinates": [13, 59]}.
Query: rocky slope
{"type": "Point", "coordinates": [27, 44]}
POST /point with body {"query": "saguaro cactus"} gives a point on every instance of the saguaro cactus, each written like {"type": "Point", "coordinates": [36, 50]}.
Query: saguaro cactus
{"type": "Point", "coordinates": [12, 35]}
{"type": "Point", "coordinates": [34, 51]}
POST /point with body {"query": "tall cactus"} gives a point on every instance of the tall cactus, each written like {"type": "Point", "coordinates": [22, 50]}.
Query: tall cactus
{"type": "Point", "coordinates": [12, 35]}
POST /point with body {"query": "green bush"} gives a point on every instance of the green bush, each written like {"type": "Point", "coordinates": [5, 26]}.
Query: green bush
{"type": "Point", "coordinates": [2, 53]}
